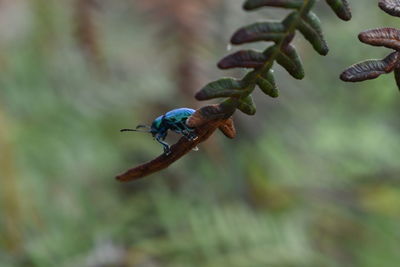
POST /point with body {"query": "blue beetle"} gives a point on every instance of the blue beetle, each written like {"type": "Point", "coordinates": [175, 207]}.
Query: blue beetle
{"type": "Point", "coordinates": [174, 120]}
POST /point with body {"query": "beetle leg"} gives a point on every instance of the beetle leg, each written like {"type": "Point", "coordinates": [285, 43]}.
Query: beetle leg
{"type": "Point", "coordinates": [181, 128]}
{"type": "Point", "coordinates": [192, 136]}
{"type": "Point", "coordinates": [188, 132]}
{"type": "Point", "coordinates": [160, 139]}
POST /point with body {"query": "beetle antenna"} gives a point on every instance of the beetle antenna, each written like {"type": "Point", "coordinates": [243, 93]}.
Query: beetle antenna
{"type": "Point", "coordinates": [142, 126]}
{"type": "Point", "coordinates": [133, 130]}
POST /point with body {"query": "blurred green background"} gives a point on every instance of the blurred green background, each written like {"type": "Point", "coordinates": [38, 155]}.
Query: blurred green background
{"type": "Point", "coordinates": [311, 180]}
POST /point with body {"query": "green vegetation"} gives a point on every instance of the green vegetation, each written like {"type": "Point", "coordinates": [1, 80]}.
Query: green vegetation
{"type": "Point", "coordinates": [311, 180]}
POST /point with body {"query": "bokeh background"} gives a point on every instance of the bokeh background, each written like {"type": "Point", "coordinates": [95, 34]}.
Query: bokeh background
{"type": "Point", "coordinates": [311, 180]}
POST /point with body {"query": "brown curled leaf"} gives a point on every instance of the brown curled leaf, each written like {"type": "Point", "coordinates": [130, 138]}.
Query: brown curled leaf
{"type": "Point", "coordinates": [243, 59]}
{"type": "Point", "coordinates": [205, 114]}
{"type": "Point", "coordinates": [178, 150]}
{"type": "Point", "coordinates": [397, 76]}
{"type": "Point", "coordinates": [370, 69]}
{"type": "Point", "coordinates": [387, 37]}
{"type": "Point", "coordinates": [392, 7]}
{"type": "Point", "coordinates": [205, 121]}
{"type": "Point", "coordinates": [228, 128]}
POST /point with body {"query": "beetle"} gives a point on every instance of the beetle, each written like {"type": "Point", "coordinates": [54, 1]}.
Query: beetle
{"type": "Point", "coordinates": [174, 120]}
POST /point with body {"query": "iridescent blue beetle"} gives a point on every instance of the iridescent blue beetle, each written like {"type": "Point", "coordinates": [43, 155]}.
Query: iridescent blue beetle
{"type": "Point", "coordinates": [174, 120]}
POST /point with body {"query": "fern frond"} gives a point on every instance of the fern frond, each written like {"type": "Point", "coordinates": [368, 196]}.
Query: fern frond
{"type": "Point", "coordinates": [386, 37]}
{"type": "Point", "coordinates": [281, 33]}
{"type": "Point", "coordinates": [237, 93]}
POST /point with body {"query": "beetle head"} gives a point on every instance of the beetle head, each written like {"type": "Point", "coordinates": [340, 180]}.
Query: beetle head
{"type": "Point", "coordinates": [156, 126]}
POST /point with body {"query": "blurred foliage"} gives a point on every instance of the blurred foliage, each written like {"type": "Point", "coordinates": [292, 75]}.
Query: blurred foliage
{"type": "Point", "coordinates": [311, 180]}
